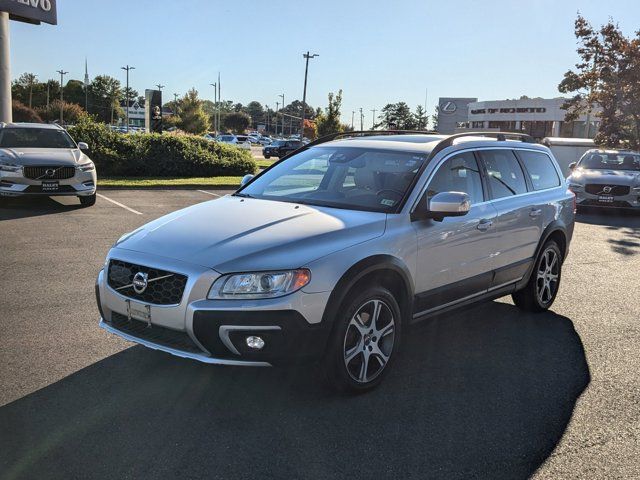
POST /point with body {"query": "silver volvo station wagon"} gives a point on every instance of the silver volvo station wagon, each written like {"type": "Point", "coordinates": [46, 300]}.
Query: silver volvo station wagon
{"type": "Point", "coordinates": [329, 254]}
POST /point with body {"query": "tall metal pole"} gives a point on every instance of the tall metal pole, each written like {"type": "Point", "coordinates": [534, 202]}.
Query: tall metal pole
{"type": "Point", "coordinates": [282, 96]}
{"type": "Point", "coordinates": [126, 99]}
{"type": "Point", "coordinates": [215, 105]}
{"type": "Point", "coordinates": [5, 70]}
{"type": "Point", "coordinates": [48, 85]}
{"type": "Point", "coordinates": [31, 79]}
{"type": "Point", "coordinates": [353, 114]}
{"type": "Point", "coordinates": [307, 56]}
{"type": "Point", "coordinates": [276, 120]}
{"type": "Point", "coordinates": [361, 120]}
{"type": "Point", "coordinates": [219, 110]}
{"type": "Point", "coordinates": [62, 74]}
{"type": "Point", "coordinates": [373, 123]}
{"type": "Point", "coordinates": [175, 104]}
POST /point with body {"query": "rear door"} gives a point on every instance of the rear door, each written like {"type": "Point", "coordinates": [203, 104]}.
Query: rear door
{"type": "Point", "coordinates": [455, 254]}
{"type": "Point", "coordinates": [518, 221]}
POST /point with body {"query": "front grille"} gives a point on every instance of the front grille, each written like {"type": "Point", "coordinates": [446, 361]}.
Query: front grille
{"type": "Point", "coordinates": [50, 172]}
{"type": "Point", "coordinates": [166, 291]}
{"type": "Point", "coordinates": [616, 190]}
{"type": "Point", "coordinates": [154, 334]}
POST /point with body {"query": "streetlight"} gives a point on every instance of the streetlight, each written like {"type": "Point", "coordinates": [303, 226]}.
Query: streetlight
{"type": "Point", "coordinates": [307, 56]}
{"type": "Point", "coordinates": [353, 114]}
{"type": "Point", "coordinates": [215, 105]}
{"type": "Point", "coordinates": [374, 119]}
{"type": "Point", "coordinates": [160, 87]}
{"type": "Point", "coordinates": [282, 96]}
{"type": "Point", "coordinates": [361, 120]}
{"type": "Point", "coordinates": [175, 104]}
{"type": "Point", "coordinates": [276, 121]}
{"type": "Point", "coordinates": [127, 68]}
{"type": "Point", "coordinates": [62, 74]}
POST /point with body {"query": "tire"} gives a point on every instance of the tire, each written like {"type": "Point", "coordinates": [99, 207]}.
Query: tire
{"type": "Point", "coordinates": [88, 201]}
{"type": "Point", "coordinates": [370, 358]}
{"type": "Point", "coordinates": [541, 289]}
{"type": "Point", "coordinates": [267, 157]}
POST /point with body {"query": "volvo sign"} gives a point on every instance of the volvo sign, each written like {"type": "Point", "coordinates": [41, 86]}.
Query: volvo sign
{"type": "Point", "coordinates": [31, 11]}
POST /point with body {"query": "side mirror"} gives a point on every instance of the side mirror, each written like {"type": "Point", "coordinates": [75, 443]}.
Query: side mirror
{"type": "Point", "coordinates": [573, 165]}
{"type": "Point", "coordinates": [83, 146]}
{"type": "Point", "coordinates": [443, 204]}
{"type": "Point", "coordinates": [246, 179]}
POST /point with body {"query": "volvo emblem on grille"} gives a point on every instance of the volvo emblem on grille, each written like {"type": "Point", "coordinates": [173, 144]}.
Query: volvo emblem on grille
{"type": "Point", "coordinates": [607, 189]}
{"type": "Point", "coordinates": [140, 281]}
{"type": "Point", "coordinates": [49, 172]}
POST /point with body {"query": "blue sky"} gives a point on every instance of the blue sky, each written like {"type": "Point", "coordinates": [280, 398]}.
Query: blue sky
{"type": "Point", "coordinates": [376, 52]}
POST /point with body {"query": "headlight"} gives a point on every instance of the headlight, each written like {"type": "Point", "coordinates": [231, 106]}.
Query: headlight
{"type": "Point", "coordinates": [8, 167]}
{"type": "Point", "coordinates": [260, 284]}
{"type": "Point", "coordinates": [86, 167]}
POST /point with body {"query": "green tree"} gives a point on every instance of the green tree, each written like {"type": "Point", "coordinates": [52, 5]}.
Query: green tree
{"type": "Point", "coordinates": [608, 75]}
{"type": "Point", "coordinates": [421, 117]}
{"type": "Point", "coordinates": [328, 122]}
{"type": "Point", "coordinates": [193, 118]}
{"type": "Point", "coordinates": [74, 92]}
{"type": "Point", "coordinates": [256, 112]}
{"type": "Point", "coordinates": [72, 112]}
{"type": "Point", "coordinates": [104, 98]}
{"type": "Point", "coordinates": [238, 122]}
{"type": "Point", "coordinates": [397, 116]}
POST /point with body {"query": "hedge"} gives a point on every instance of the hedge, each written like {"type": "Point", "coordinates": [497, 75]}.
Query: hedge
{"type": "Point", "coordinates": [159, 155]}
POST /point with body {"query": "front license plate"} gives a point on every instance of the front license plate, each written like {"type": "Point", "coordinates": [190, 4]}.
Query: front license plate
{"type": "Point", "coordinates": [605, 198]}
{"type": "Point", "coordinates": [48, 186]}
{"type": "Point", "coordinates": [139, 311]}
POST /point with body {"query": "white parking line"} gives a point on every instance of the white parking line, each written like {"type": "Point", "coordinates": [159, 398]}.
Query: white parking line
{"type": "Point", "coordinates": [119, 204]}
{"type": "Point", "coordinates": [209, 193]}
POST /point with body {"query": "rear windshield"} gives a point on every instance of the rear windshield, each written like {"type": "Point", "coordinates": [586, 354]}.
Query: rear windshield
{"type": "Point", "coordinates": [35, 138]}
{"type": "Point", "coordinates": [611, 161]}
{"type": "Point", "coordinates": [227, 138]}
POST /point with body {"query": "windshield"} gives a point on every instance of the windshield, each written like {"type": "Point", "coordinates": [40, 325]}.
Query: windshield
{"type": "Point", "coordinates": [35, 138]}
{"type": "Point", "coordinates": [341, 177]}
{"type": "Point", "coordinates": [611, 161]}
{"type": "Point", "coordinates": [227, 138]}
{"type": "Point", "coordinates": [277, 143]}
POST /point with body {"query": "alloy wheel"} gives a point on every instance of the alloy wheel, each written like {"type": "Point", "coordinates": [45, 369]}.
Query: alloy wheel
{"type": "Point", "coordinates": [369, 341]}
{"type": "Point", "coordinates": [547, 277]}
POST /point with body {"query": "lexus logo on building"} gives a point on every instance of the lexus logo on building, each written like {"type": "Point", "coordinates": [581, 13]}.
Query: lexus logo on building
{"type": "Point", "coordinates": [140, 281]}
{"type": "Point", "coordinates": [448, 107]}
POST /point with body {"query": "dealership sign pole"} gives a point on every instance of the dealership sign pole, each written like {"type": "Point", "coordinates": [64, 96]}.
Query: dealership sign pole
{"type": "Point", "coordinates": [29, 11]}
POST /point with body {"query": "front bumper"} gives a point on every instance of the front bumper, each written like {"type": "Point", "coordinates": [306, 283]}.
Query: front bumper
{"type": "Point", "coordinates": [630, 201]}
{"type": "Point", "coordinates": [214, 331]}
{"type": "Point", "coordinates": [81, 184]}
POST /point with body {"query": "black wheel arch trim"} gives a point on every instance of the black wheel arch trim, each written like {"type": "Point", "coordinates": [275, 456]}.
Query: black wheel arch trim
{"type": "Point", "coordinates": [361, 269]}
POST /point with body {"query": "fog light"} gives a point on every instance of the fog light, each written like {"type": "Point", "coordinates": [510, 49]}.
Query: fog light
{"type": "Point", "coordinates": [256, 343]}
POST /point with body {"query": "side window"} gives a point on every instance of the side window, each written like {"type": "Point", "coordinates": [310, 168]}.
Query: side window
{"type": "Point", "coordinates": [505, 175]}
{"type": "Point", "coordinates": [458, 174]}
{"type": "Point", "coordinates": [540, 168]}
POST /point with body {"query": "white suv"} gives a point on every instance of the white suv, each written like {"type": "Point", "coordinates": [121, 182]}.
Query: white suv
{"type": "Point", "coordinates": [41, 159]}
{"type": "Point", "coordinates": [331, 252]}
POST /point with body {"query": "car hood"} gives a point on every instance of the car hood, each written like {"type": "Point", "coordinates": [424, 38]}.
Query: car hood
{"type": "Point", "coordinates": [613, 177]}
{"type": "Point", "coordinates": [233, 234]}
{"type": "Point", "coordinates": [42, 156]}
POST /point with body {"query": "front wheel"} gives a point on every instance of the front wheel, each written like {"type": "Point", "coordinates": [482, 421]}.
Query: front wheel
{"type": "Point", "coordinates": [88, 201]}
{"type": "Point", "coordinates": [363, 341]}
{"type": "Point", "coordinates": [267, 157]}
{"type": "Point", "coordinates": [541, 290]}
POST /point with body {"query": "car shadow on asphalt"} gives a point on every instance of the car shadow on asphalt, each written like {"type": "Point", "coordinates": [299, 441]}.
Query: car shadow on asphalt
{"type": "Point", "coordinates": [485, 393]}
{"type": "Point", "coordinates": [625, 222]}
{"type": "Point", "coordinates": [12, 208]}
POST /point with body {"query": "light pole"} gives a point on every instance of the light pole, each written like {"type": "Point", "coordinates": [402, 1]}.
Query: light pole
{"type": "Point", "coordinates": [353, 114]}
{"type": "Point", "coordinates": [62, 74]}
{"type": "Point", "coordinates": [175, 104]}
{"type": "Point", "coordinates": [276, 120]}
{"type": "Point", "coordinates": [215, 105]}
{"type": "Point", "coordinates": [31, 79]}
{"type": "Point", "coordinates": [160, 87]}
{"type": "Point", "coordinates": [373, 123]}
{"type": "Point", "coordinates": [307, 56]}
{"type": "Point", "coordinates": [282, 96]}
{"type": "Point", "coordinates": [127, 68]}
{"type": "Point", "coordinates": [361, 120]}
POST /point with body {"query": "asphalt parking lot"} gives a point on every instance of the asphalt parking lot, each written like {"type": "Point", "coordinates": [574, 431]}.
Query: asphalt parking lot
{"type": "Point", "coordinates": [488, 392]}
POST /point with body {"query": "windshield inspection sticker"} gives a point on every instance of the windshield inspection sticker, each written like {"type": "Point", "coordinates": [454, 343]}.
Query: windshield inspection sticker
{"type": "Point", "coordinates": [387, 202]}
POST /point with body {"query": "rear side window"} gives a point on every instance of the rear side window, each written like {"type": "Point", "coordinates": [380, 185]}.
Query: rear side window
{"type": "Point", "coordinates": [505, 175]}
{"type": "Point", "coordinates": [540, 168]}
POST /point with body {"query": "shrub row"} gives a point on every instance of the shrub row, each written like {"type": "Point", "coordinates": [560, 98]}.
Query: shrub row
{"type": "Point", "coordinates": [159, 155]}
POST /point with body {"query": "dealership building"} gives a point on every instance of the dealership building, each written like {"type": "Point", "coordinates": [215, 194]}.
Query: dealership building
{"type": "Point", "coordinates": [538, 117]}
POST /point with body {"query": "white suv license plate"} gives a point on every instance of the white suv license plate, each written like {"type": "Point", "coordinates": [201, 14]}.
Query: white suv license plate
{"type": "Point", "coordinates": [139, 311]}
{"type": "Point", "coordinates": [605, 198]}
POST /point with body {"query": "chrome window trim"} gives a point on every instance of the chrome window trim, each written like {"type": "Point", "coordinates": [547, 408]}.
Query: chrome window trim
{"type": "Point", "coordinates": [475, 149]}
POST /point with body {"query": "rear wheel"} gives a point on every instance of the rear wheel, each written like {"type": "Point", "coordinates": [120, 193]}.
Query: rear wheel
{"type": "Point", "coordinates": [363, 341]}
{"type": "Point", "coordinates": [542, 288]}
{"type": "Point", "coordinates": [267, 157]}
{"type": "Point", "coordinates": [88, 201]}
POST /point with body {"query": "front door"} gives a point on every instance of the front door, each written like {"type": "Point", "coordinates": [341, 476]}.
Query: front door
{"type": "Point", "coordinates": [455, 255]}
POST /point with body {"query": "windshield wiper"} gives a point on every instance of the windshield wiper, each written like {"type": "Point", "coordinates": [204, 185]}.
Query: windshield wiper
{"type": "Point", "coordinates": [243, 195]}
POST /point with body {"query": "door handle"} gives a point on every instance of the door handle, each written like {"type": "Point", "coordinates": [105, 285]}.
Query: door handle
{"type": "Point", "coordinates": [484, 225]}
{"type": "Point", "coordinates": [535, 212]}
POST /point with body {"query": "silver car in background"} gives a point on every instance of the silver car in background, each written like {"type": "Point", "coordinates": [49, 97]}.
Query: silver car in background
{"type": "Point", "coordinates": [331, 252]}
{"type": "Point", "coordinates": [607, 178]}
{"type": "Point", "coordinates": [41, 159]}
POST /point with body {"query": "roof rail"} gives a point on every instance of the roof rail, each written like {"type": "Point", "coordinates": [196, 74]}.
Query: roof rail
{"type": "Point", "coordinates": [499, 136]}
